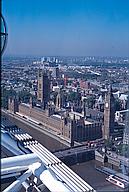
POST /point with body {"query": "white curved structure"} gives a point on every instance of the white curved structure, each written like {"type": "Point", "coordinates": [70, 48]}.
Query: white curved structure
{"type": "Point", "coordinates": [54, 174]}
{"type": "Point", "coordinates": [16, 185]}
{"type": "Point", "coordinates": [46, 176]}
{"type": "Point", "coordinates": [10, 144]}
{"type": "Point", "coordinates": [17, 163]}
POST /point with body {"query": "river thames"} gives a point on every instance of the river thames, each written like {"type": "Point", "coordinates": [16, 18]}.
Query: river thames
{"type": "Point", "coordinates": [86, 170]}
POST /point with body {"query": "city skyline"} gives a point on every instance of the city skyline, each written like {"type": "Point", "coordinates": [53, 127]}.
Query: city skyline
{"type": "Point", "coordinates": [77, 28]}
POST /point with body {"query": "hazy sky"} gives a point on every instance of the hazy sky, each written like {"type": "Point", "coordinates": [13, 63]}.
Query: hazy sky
{"type": "Point", "coordinates": [67, 27]}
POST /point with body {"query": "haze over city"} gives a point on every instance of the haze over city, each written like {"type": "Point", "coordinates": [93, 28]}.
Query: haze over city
{"type": "Point", "coordinates": [67, 28]}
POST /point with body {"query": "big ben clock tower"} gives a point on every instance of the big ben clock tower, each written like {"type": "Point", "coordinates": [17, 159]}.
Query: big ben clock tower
{"type": "Point", "coordinates": [109, 115]}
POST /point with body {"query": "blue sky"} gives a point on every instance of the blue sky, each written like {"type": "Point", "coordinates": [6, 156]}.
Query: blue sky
{"type": "Point", "coordinates": [67, 27]}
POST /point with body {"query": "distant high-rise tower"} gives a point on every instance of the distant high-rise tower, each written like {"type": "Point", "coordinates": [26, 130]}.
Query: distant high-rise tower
{"type": "Point", "coordinates": [43, 87]}
{"type": "Point", "coordinates": [109, 115]}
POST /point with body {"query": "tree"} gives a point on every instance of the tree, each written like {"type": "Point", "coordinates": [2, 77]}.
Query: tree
{"type": "Point", "coordinates": [24, 96]}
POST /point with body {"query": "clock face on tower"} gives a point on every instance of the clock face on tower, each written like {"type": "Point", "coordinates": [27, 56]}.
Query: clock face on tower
{"type": "Point", "coordinates": [106, 105]}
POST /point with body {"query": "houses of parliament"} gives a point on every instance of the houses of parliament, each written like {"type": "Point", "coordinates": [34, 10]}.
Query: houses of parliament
{"type": "Point", "coordinates": [69, 123]}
